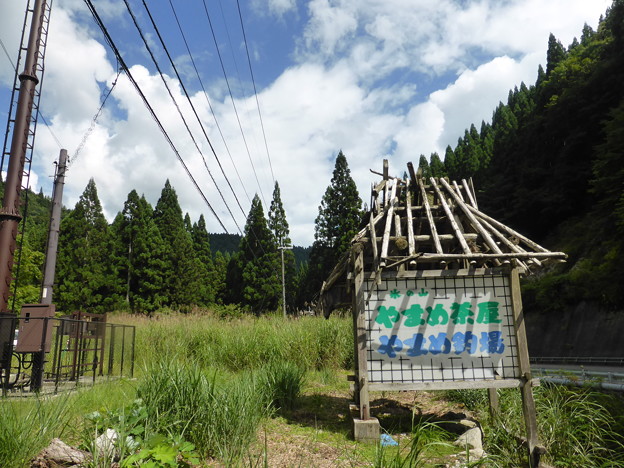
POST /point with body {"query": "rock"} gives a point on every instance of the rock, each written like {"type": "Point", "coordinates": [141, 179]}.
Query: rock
{"type": "Point", "coordinates": [458, 426]}
{"type": "Point", "coordinates": [105, 444]}
{"type": "Point", "coordinates": [472, 437]}
{"type": "Point", "coordinates": [58, 453]}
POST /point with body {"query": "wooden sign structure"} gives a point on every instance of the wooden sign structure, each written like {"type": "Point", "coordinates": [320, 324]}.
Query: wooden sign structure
{"type": "Point", "coordinates": [434, 287]}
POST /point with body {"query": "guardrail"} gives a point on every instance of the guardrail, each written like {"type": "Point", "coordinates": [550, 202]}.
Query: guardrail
{"type": "Point", "coordinates": [613, 381]}
{"type": "Point", "coordinates": [611, 361]}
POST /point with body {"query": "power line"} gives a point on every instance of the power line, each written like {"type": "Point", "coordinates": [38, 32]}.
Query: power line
{"type": "Point", "coordinates": [232, 99]}
{"type": "Point", "coordinates": [122, 62]}
{"type": "Point", "coordinates": [188, 98]}
{"type": "Point", "coordinates": [208, 100]}
{"type": "Point", "coordinates": [93, 122]}
{"type": "Point", "coordinates": [162, 77]}
{"type": "Point", "coordinates": [266, 146]}
{"type": "Point", "coordinates": [193, 107]}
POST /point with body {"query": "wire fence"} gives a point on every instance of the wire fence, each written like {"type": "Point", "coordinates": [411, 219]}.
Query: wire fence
{"type": "Point", "coordinates": [48, 354]}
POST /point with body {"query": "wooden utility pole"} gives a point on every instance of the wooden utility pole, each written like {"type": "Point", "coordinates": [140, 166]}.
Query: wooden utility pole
{"type": "Point", "coordinates": [282, 248]}
{"type": "Point", "coordinates": [53, 232]}
{"type": "Point", "coordinates": [10, 212]}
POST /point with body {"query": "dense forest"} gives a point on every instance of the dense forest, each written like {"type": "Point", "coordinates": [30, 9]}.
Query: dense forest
{"type": "Point", "coordinates": [550, 163]}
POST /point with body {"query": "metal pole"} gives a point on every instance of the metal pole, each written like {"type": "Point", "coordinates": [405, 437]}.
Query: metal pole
{"type": "Point", "coordinates": [10, 212]}
{"type": "Point", "coordinates": [53, 233]}
{"type": "Point", "coordinates": [282, 248]}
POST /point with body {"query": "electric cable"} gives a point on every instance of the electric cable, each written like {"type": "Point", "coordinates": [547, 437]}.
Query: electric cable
{"type": "Point", "coordinates": [175, 15]}
{"type": "Point", "coordinates": [253, 81]}
{"type": "Point", "coordinates": [162, 77]}
{"type": "Point", "coordinates": [188, 98]}
{"type": "Point", "coordinates": [150, 109]}
{"type": "Point", "coordinates": [87, 134]}
{"type": "Point", "coordinates": [233, 102]}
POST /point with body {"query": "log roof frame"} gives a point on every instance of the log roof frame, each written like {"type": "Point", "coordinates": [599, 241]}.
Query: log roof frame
{"type": "Point", "coordinates": [434, 224]}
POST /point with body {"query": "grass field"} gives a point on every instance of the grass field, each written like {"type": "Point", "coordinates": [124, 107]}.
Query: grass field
{"type": "Point", "coordinates": [247, 391]}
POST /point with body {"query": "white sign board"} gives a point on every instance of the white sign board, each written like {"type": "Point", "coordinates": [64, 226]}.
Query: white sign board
{"type": "Point", "coordinates": [441, 329]}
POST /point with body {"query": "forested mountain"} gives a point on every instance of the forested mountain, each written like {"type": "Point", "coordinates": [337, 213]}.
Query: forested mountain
{"type": "Point", "coordinates": [551, 164]}
{"type": "Point", "coordinates": [228, 243]}
{"type": "Point", "coordinates": [224, 243]}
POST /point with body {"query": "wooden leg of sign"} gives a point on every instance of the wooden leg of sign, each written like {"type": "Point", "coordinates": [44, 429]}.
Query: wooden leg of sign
{"type": "Point", "coordinates": [360, 337]}
{"type": "Point", "coordinates": [365, 428]}
{"type": "Point", "coordinates": [528, 403]}
{"type": "Point", "coordinates": [494, 407]}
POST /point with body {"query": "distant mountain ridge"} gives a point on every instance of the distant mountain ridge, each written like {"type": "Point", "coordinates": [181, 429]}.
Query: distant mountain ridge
{"type": "Point", "coordinates": [228, 243]}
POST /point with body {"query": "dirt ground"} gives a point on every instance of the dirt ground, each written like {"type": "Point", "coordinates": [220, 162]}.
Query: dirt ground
{"type": "Point", "coordinates": [318, 432]}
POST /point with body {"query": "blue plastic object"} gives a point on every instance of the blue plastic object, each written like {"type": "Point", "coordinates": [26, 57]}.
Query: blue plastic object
{"type": "Point", "coordinates": [387, 441]}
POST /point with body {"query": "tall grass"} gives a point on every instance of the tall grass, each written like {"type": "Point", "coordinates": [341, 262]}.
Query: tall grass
{"type": "Point", "coordinates": [26, 427]}
{"type": "Point", "coordinates": [221, 420]}
{"type": "Point", "coordinates": [576, 425]}
{"type": "Point", "coordinates": [246, 343]}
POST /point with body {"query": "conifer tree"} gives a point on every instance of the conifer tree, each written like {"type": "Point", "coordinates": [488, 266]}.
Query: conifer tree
{"type": "Point", "coordinates": [220, 262]}
{"type": "Point", "coordinates": [336, 224]}
{"type": "Point", "coordinates": [201, 245]}
{"type": "Point", "coordinates": [86, 274]}
{"type": "Point", "coordinates": [555, 53]}
{"type": "Point", "coordinates": [253, 274]}
{"type": "Point", "coordinates": [423, 165]}
{"type": "Point", "coordinates": [143, 255]}
{"type": "Point", "coordinates": [436, 166]}
{"type": "Point", "coordinates": [183, 270]}
{"type": "Point", "coordinates": [450, 162]}
{"type": "Point", "coordinates": [280, 229]}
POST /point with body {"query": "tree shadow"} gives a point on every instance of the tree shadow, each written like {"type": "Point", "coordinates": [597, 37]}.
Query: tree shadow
{"type": "Point", "coordinates": [332, 413]}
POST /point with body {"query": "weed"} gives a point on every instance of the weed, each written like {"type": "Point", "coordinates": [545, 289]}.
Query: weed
{"type": "Point", "coordinates": [282, 382]}
{"type": "Point", "coordinates": [27, 428]}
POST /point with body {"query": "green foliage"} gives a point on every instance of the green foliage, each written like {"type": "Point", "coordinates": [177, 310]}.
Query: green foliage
{"type": "Point", "coordinates": [425, 438]}
{"type": "Point", "coordinates": [208, 281]}
{"type": "Point", "coordinates": [182, 268]}
{"type": "Point", "coordinates": [137, 444]}
{"type": "Point", "coordinates": [253, 277]}
{"type": "Point", "coordinates": [28, 428]}
{"type": "Point", "coordinates": [160, 451]}
{"type": "Point", "coordinates": [336, 224]}
{"type": "Point", "coordinates": [142, 255]}
{"type": "Point", "coordinates": [87, 279]}
{"type": "Point", "coordinates": [575, 425]}
{"type": "Point", "coordinates": [219, 420]}
{"type": "Point", "coordinates": [283, 382]}
{"type": "Point", "coordinates": [248, 342]}
{"type": "Point", "coordinates": [279, 227]}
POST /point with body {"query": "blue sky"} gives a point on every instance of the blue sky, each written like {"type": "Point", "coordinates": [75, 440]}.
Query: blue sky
{"type": "Point", "coordinates": [378, 79]}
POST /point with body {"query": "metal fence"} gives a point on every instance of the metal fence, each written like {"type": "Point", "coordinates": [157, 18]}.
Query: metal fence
{"type": "Point", "coordinates": [613, 381]}
{"type": "Point", "coordinates": [46, 354]}
{"type": "Point", "coordinates": [595, 361]}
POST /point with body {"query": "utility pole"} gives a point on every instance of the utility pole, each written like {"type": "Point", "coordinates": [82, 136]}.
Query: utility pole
{"type": "Point", "coordinates": [10, 211]}
{"type": "Point", "coordinates": [53, 232]}
{"type": "Point", "coordinates": [282, 248]}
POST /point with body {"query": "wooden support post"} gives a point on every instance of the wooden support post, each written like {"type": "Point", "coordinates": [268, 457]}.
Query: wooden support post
{"type": "Point", "coordinates": [451, 218]}
{"type": "Point", "coordinates": [361, 336]}
{"type": "Point", "coordinates": [471, 198]}
{"type": "Point", "coordinates": [526, 390]}
{"type": "Point", "coordinates": [389, 220]}
{"type": "Point", "coordinates": [432, 226]}
{"type": "Point", "coordinates": [410, 225]}
{"type": "Point", "coordinates": [494, 406]}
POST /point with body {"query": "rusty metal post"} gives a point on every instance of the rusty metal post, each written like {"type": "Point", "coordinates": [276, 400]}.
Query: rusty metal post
{"type": "Point", "coordinates": [10, 212]}
{"type": "Point", "coordinates": [53, 232]}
